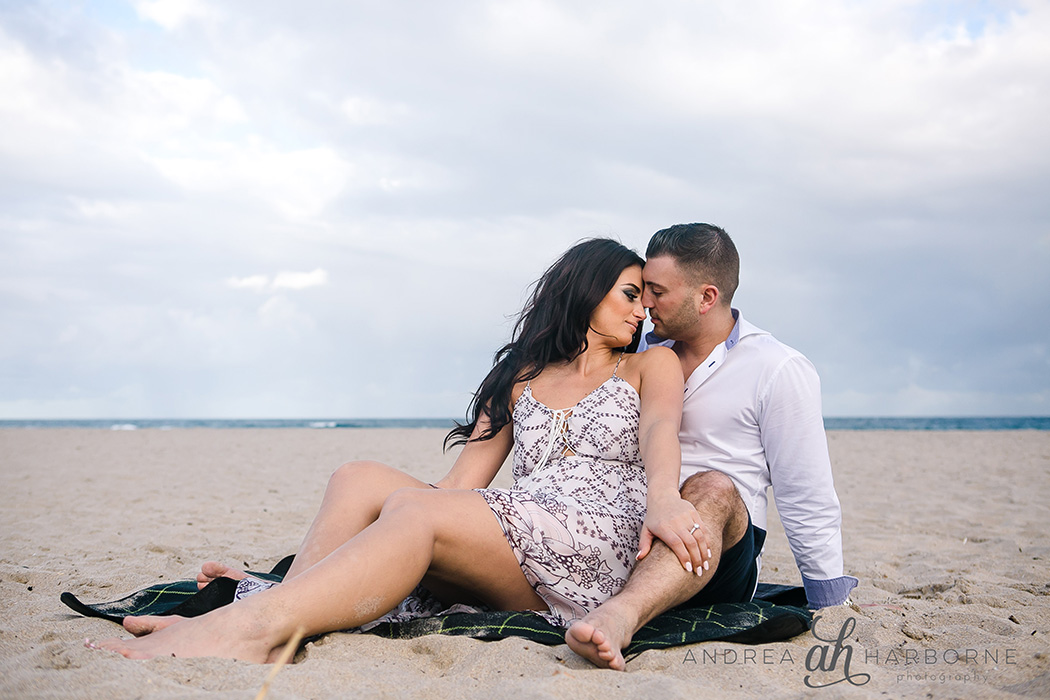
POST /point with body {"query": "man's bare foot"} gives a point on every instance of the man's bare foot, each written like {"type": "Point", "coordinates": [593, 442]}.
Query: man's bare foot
{"type": "Point", "coordinates": [211, 570]}
{"type": "Point", "coordinates": [224, 633]}
{"type": "Point", "coordinates": [600, 638]}
{"type": "Point", "coordinates": [140, 625]}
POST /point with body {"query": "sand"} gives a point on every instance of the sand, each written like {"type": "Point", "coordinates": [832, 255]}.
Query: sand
{"type": "Point", "coordinates": [946, 531]}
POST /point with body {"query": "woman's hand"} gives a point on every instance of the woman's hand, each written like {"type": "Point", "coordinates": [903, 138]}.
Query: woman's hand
{"type": "Point", "coordinates": [675, 522]}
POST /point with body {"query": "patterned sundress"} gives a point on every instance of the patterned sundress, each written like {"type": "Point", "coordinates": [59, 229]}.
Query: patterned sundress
{"type": "Point", "coordinates": [575, 510]}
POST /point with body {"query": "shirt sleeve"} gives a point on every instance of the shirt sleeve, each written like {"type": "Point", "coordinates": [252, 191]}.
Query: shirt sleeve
{"type": "Point", "coordinates": [792, 429]}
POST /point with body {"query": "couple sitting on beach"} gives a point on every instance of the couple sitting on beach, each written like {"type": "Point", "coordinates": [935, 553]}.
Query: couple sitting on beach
{"type": "Point", "coordinates": [626, 501]}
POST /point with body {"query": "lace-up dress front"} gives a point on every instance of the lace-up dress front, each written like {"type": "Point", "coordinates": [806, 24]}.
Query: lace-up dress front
{"type": "Point", "coordinates": [575, 510]}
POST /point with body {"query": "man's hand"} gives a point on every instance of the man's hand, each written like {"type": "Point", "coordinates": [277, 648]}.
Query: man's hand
{"type": "Point", "coordinates": [675, 522]}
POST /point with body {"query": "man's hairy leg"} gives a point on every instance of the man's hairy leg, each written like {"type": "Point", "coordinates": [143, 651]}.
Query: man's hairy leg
{"type": "Point", "coordinates": [658, 582]}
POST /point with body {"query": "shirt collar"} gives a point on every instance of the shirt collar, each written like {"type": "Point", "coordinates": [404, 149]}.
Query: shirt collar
{"type": "Point", "coordinates": [734, 335]}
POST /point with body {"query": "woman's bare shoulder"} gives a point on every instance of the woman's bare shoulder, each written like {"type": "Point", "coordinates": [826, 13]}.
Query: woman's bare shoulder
{"type": "Point", "coordinates": [654, 362]}
{"type": "Point", "coordinates": [658, 356]}
{"type": "Point", "coordinates": [659, 367]}
{"type": "Point", "coordinates": [520, 382]}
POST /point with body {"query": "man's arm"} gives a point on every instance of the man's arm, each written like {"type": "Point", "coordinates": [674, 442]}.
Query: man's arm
{"type": "Point", "coordinates": [796, 447]}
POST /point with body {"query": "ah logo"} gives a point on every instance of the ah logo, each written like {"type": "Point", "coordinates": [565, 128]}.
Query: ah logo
{"type": "Point", "coordinates": [818, 657]}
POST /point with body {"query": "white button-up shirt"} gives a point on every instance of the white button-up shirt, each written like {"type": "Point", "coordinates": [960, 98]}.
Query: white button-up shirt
{"type": "Point", "coordinates": [752, 411]}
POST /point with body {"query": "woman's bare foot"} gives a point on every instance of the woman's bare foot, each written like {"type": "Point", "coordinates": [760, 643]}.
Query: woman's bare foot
{"type": "Point", "coordinates": [140, 625]}
{"type": "Point", "coordinates": [211, 570]}
{"type": "Point", "coordinates": [225, 633]}
{"type": "Point", "coordinates": [600, 638]}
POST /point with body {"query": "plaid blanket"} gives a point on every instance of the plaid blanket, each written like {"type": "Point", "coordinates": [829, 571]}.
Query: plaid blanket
{"type": "Point", "coordinates": [776, 613]}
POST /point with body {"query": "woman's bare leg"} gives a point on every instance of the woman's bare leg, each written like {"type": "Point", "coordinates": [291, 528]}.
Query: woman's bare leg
{"type": "Point", "coordinates": [352, 501]}
{"type": "Point", "coordinates": [449, 535]}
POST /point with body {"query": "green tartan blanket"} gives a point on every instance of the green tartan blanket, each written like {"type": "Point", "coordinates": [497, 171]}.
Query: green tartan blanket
{"type": "Point", "coordinates": [777, 613]}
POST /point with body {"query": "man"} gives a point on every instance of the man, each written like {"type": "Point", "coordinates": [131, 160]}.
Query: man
{"type": "Point", "coordinates": [751, 419]}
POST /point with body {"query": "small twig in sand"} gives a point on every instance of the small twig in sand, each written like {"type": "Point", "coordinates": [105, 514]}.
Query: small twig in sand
{"type": "Point", "coordinates": [286, 655]}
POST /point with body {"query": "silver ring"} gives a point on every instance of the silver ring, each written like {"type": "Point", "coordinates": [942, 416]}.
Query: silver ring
{"type": "Point", "coordinates": [694, 528]}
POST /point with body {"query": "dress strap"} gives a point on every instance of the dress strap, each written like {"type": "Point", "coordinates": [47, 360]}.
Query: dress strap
{"type": "Point", "coordinates": [618, 362]}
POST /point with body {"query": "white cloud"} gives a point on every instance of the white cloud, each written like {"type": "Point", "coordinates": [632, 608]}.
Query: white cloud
{"type": "Point", "coordinates": [876, 162]}
{"type": "Point", "coordinates": [33, 96]}
{"type": "Point", "coordinates": [28, 86]}
{"type": "Point", "coordinates": [280, 312]}
{"type": "Point", "coordinates": [256, 283]}
{"type": "Point", "coordinates": [366, 111]}
{"type": "Point", "coordinates": [282, 280]}
{"type": "Point", "coordinates": [103, 209]}
{"type": "Point", "coordinates": [166, 104]}
{"type": "Point", "coordinates": [300, 280]}
{"type": "Point", "coordinates": [173, 14]}
{"type": "Point", "coordinates": [228, 110]}
{"type": "Point", "coordinates": [82, 127]}
{"type": "Point", "coordinates": [299, 184]}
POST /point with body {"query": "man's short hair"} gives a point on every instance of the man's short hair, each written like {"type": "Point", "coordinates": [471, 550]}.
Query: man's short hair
{"type": "Point", "coordinates": [706, 253]}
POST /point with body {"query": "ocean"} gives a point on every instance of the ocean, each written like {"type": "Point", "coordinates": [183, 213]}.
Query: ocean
{"type": "Point", "coordinates": [863, 423]}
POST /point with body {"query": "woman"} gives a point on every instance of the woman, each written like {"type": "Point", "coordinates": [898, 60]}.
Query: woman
{"type": "Point", "coordinates": [563, 537]}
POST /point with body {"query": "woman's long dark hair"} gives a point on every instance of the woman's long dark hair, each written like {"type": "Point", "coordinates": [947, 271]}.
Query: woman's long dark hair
{"type": "Point", "coordinates": [551, 328]}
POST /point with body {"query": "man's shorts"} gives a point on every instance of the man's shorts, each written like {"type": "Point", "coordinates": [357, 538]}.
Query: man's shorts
{"type": "Point", "coordinates": [737, 574]}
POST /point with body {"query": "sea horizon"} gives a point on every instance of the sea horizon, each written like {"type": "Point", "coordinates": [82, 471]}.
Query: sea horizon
{"type": "Point", "coordinates": [830, 423]}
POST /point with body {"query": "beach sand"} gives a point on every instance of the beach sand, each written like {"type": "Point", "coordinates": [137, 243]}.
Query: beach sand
{"type": "Point", "coordinates": [946, 530]}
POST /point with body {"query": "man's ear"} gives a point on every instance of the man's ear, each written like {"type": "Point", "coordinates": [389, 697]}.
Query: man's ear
{"type": "Point", "coordinates": [707, 296]}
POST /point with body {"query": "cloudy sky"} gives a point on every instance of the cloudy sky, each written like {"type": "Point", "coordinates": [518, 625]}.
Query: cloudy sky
{"type": "Point", "coordinates": [258, 208]}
